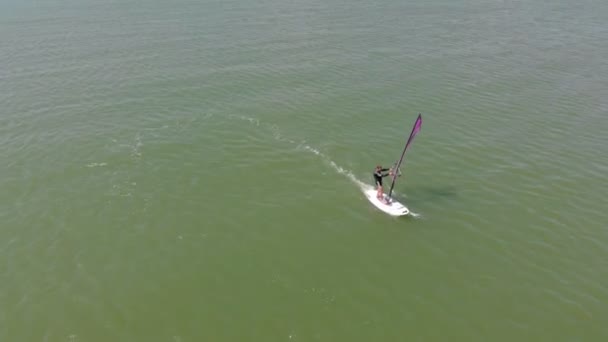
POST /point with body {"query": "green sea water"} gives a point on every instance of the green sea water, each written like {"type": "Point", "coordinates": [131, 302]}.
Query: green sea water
{"type": "Point", "coordinates": [193, 170]}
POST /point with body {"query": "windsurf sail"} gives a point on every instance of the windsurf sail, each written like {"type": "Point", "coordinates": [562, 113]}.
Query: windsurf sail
{"type": "Point", "coordinates": [396, 170]}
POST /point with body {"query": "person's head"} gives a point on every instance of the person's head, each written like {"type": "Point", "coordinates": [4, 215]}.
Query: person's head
{"type": "Point", "coordinates": [378, 167]}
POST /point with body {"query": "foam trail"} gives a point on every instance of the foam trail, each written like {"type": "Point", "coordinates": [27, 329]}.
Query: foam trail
{"type": "Point", "coordinates": [96, 164]}
{"type": "Point", "coordinates": [245, 118]}
{"type": "Point", "coordinates": [277, 135]}
{"type": "Point", "coordinates": [338, 168]}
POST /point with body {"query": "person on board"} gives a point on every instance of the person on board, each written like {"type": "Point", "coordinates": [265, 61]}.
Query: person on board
{"type": "Point", "coordinates": [378, 175]}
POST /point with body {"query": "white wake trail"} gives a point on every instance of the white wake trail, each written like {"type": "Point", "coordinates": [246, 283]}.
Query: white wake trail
{"type": "Point", "coordinates": [338, 168]}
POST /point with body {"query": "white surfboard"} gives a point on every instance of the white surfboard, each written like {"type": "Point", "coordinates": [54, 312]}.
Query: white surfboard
{"type": "Point", "coordinates": [394, 208]}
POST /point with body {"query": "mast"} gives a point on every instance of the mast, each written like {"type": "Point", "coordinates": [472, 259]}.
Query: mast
{"type": "Point", "coordinates": [415, 130]}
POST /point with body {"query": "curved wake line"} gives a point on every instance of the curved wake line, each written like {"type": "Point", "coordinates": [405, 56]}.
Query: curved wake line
{"type": "Point", "coordinates": [338, 168]}
{"type": "Point", "coordinates": [276, 132]}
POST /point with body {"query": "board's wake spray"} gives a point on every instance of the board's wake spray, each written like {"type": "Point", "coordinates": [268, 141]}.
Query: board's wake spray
{"type": "Point", "coordinates": [339, 169]}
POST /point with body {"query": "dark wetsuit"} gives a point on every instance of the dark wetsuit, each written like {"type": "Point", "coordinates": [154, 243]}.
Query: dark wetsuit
{"type": "Point", "coordinates": [378, 175]}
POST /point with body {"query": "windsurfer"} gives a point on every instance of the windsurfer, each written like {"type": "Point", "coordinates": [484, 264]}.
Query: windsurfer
{"type": "Point", "coordinates": [378, 175]}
